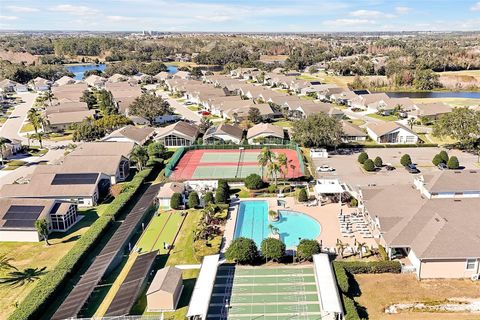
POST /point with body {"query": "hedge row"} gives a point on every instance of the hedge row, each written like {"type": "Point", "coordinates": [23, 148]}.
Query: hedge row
{"type": "Point", "coordinates": [351, 309]}
{"type": "Point", "coordinates": [356, 267]}
{"type": "Point", "coordinates": [422, 145]}
{"type": "Point", "coordinates": [48, 286]}
{"type": "Point", "coordinates": [342, 278]}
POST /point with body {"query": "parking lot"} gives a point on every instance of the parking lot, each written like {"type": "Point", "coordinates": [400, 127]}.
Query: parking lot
{"type": "Point", "coordinates": [348, 170]}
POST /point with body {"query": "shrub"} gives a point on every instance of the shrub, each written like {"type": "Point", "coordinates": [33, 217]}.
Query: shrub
{"type": "Point", "coordinates": [254, 182]}
{"type": "Point", "coordinates": [378, 162]}
{"type": "Point", "coordinates": [208, 198]}
{"type": "Point", "coordinates": [437, 160]}
{"type": "Point", "coordinates": [306, 249]}
{"type": "Point", "coordinates": [383, 253]}
{"type": "Point", "coordinates": [356, 267]}
{"type": "Point", "coordinates": [193, 200]}
{"type": "Point", "coordinates": [362, 157]}
{"type": "Point", "coordinates": [342, 278]}
{"type": "Point", "coordinates": [405, 160]}
{"type": "Point", "coordinates": [273, 249]}
{"type": "Point", "coordinates": [176, 201]}
{"type": "Point", "coordinates": [242, 250]}
{"type": "Point", "coordinates": [47, 287]}
{"type": "Point", "coordinates": [302, 195]}
{"type": "Point", "coordinates": [368, 165]}
{"type": "Point", "coordinates": [221, 195]}
{"type": "Point", "coordinates": [453, 163]}
{"type": "Point", "coordinates": [272, 188]}
{"type": "Point", "coordinates": [353, 202]}
{"type": "Point", "coordinates": [444, 156]}
{"type": "Point", "coordinates": [351, 308]}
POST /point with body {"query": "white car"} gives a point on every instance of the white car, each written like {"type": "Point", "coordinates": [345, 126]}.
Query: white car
{"type": "Point", "coordinates": [325, 168]}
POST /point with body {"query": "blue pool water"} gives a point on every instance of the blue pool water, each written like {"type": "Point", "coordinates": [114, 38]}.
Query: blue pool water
{"type": "Point", "coordinates": [253, 223]}
{"type": "Point", "coordinates": [79, 70]}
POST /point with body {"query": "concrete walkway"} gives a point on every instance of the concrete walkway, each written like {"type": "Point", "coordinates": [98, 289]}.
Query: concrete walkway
{"type": "Point", "coordinates": [14, 123]}
{"type": "Point", "coordinates": [188, 266]}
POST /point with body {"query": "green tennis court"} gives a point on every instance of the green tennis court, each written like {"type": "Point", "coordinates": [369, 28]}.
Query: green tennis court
{"type": "Point", "coordinates": [202, 172]}
{"type": "Point", "coordinates": [230, 156]}
{"type": "Point", "coordinates": [269, 293]}
{"type": "Point", "coordinates": [162, 228]}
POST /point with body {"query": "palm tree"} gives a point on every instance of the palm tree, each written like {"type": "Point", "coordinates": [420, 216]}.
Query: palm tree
{"type": "Point", "coordinates": [273, 169]}
{"type": "Point", "coordinates": [3, 147]}
{"type": "Point", "coordinates": [5, 263]}
{"type": "Point", "coordinates": [41, 225]}
{"type": "Point", "coordinates": [20, 278]}
{"type": "Point", "coordinates": [340, 247]}
{"type": "Point", "coordinates": [139, 156]}
{"type": "Point", "coordinates": [411, 123]}
{"type": "Point", "coordinates": [49, 96]}
{"type": "Point", "coordinates": [39, 136]}
{"type": "Point", "coordinates": [265, 157]}
{"type": "Point", "coordinates": [283, 162]}
{"type": "Point", "coordinates": [360, 246]}
{"type": "Point", "coordinates": [37, 121]}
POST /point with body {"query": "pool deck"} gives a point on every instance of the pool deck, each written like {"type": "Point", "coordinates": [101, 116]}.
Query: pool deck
{"type": "Point", "coordinates": [326, 215]}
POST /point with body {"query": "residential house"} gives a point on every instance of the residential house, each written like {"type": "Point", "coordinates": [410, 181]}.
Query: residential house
{"type": "Point", "coordinates": [124, 93]}
{"type": "Point", "coordinates": [103, 148]}
{"type": "Point", "coordinates": [265, 133]}
{"type": "Point", "coordinates": [95, 81]}
{"type": "Point", "coordinates": [430, 111]}
{"type": "Point", "coordinates": [223, 133]}
{"type": "Point", "coordinates": [345, 97]}
{"type": "Point", "coordinates": [70, 92]}
{"type": "Point", "coordinates": [137, 135]}
{"type": "Point", "coordinates": [162, 76]}
{"type": "Point", "coordinates": [392, 133]}
{"type": "Point", "coordinates": [58, 121]}
{"type": "Point", "coordinates": [18, 217]}
{"type": "Point", "coordinates": [12, 86]}
{"type": "Point", "coordinates": [181, 75]}
{"type": "Point", "coordinates": [388, 106]}
{"type": "Point", "coordinates": [241, 113]}
{"type": "Point", "coordinates": [438, 237]}
{"type": "Point", "coordinates": [11, 147]}
{"type": "Point", "coordinates": [364, 100]}
{"type": "Point", "coordinates": [307, 108]}
{"type": "Point", "coordinates": [166, 192]}
{"type": "Point", "coordinates": [40, 84]}
{"type": "Point", "coordinates": [179, 134]}
{"type": "Point", "coordinates": [117, 78]}
{"type": "Point", "coordinates": [352, 133]}
{"type": "Point", "coordinates": [64, 81]}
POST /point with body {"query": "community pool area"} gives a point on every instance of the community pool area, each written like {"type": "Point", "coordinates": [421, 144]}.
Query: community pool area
{"type": "Point", "coordinates": [252, 222]}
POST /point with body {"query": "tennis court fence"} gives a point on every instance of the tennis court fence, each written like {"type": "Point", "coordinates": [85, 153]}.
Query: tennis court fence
{"type": "Point", "coordinates": [182, 150]}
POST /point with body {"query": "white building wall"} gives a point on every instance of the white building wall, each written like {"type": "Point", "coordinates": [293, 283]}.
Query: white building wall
{"type": "Point", "coordinates": [19, 236]}
{"type": "Point", "coordinates": [415, 262]}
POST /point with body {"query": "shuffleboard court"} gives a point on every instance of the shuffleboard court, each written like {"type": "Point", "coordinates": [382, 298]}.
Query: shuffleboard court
{"type": "Point", "coordinates": [224, 164]}
{"type": "Point", "coordinates": [162, 229]}
{"type": "Point", "coordinates": [253, 293]}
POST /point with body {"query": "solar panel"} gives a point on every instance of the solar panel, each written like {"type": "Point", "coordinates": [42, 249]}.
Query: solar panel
{"type": "Point", "coordinates": [74, 178]}
{"type": "Point", "coordinates": [74, 302]}
{"type": "Point", "coordinates": [20, 212]}
{"type": "Point", "coordinates": [19, 224]}
{"type": "Point", "coordinates": [55, 207]}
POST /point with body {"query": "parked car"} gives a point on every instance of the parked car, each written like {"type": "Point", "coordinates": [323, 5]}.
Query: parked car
{"type": "Point", "coordinates": [411, 168]}
{"type": "Point", "coordinates": [325, 168]}
{"type": "Point", "coordinates": [442, 166]}
{"type": "Point", "coordinates": [389, 167]}
{"type": "Point", "coordinates": [188, 103]}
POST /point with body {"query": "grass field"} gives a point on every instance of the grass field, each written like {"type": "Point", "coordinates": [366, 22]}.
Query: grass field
{"type": "Point", "coordinates": [283, 123]}
{"type": "Point", "coordinates": [27, 127]}
{"type": "Point", "coordinates": [37, 255]}
{"type": "Point", "coordinates": [455, 102]}
{"type": "Point", "coordinates": [380, 291]}
{"type": "Point", "coordinates": [357, 122]}
{"type": "Point", "coordinates": [384, 118]}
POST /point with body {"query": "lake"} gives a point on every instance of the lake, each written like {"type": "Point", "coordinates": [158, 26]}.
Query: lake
{"type": "Point", "coordinates": [79, 69]}
{"type": "Point", "coordinates": [435, 94]}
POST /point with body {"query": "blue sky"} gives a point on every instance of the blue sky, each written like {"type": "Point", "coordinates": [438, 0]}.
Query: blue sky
{"type": "Point", "coordinates": [249, 15]}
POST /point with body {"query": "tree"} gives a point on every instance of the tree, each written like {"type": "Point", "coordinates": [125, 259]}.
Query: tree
{"type": "Point", "coordinates": [89, 98]}
{"type": "Point", "coordinates": [153, 68]}
{"type": "Point", "coordinates": [95, 72]}
{"type": "Point", "coordinates": [426, 80]}
{"type": "Point", "coordinates": [208, 198]}
{"type": "Point", "coordinates": [193, 200]}
{"type": "Point", "coordinates": [41, 225]}
{"type": "Point", "coordinates": [307, 248]}
{"type": "Point", "coordinates": [204, 125]}
{"type": "Point", "coordinates": [150, 106]}
{"type": "Point", "coordinates": [378, 162]}
{"type": "Point", "coordinates": [254, 115]}
{"type": "Point", "coordinates": [273, 169]}
{"type": "Point", "coordinates": [283, 163]}
{"type": "Point", "coordinates": [317, 130]}
{"type": "Point", "coordinates": [411, 123]}
{"type": "Point", "coordinates": [362, 157]}
{"type": "Point", "coordinates": [105, 102]}
{"type": "Point", "coordinates": [405, 160]}
{"type": "Point", "coordinates": [437, 160]}
{"type": "Point", "coordinates": [139, 155]}
{"type": "Point", "coordinates": [444, 156]}
{"type": "Point", "coordinates": [265, 157]}
{"type": "Point", "coordinates": [254, 182]}
{"type": "Point", "coordinates": [48, 96]}
{"type": "Point", "coordinates": [369, 165]}
{"type": "Point", "coordinates": [111, 122]}
{"type": "Point", "coordinates": [340, 246]}
{"type": "Point", "coordinates": [453, 163]}
{"type": "Point", "coordinates": [155, 150]}
{"type": "Point", "coordinates": [87, 130]}
{"type": "Point", "coordinates": [176, 201]}
{"type": "Point", "coordinates": [20, 278]}
{"type": "Point", "coordinates": [462, 124]}
{"type": "Point", "coordinates": [5, 263]}
{"type": "Point", "coordinates": [37, 121]}
{"type": "Point", "coordinates": [273, 249]}
{"type": "Point", "coordinates": [242, 250]}
{"type": "Point", "coordinates": [221, 195]}
{"type": "Point", "coordinates": [302, 195]}
{"type": "Point", "coordinates": [3, 148]}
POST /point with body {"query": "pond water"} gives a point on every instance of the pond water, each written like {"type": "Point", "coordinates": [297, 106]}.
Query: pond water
{"type": "Point", "coordinates": [435, 94]}
{"type": "Point", "coordinates": [79, 69]}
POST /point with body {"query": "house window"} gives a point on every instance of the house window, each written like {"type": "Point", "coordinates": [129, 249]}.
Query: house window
{"type": "Point", "coordinates": [471, 264]}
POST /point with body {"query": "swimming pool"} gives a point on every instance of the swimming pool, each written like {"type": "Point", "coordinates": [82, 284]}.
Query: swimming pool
{"type": "Point", "coordinates": [252, 222]}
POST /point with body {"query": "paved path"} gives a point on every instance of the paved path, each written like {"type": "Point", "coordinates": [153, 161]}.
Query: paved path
{"type": "Point", "coordinates": [14, 123]}
{"type": "Point", "coordinates": [188, 266]}
{"type": "Point", "coordinates": [362, 116]}
{"type": "Point", "coordinates": [180, 108]}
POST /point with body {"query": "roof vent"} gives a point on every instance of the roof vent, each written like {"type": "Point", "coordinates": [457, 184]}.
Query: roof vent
{"type": "Point", "coordinates": [457, 200]}
{"type": "Point", "coordinates": [436, 219]}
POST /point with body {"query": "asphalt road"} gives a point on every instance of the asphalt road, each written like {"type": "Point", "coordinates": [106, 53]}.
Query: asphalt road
{"type": "Point", "coordinates": [181, 109]}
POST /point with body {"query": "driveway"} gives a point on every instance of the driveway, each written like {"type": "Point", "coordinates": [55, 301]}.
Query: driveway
{"type": "Point", "coordinates": [362, 116]}
{"type": "Point", "coordinates": [180, 108]}
{"type": "Point", "coordinates": [14, 123]}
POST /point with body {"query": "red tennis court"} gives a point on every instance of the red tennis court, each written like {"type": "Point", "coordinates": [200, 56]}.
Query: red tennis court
{"type": "Point", "coordinates": [224, 164]}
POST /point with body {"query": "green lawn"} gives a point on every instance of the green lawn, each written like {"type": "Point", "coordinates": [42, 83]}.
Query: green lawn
{"type": "Point", "coordinates": [284, 123]}
{"type": "Point", "coordinates": [307, 77]}
{"type": "Point", "coordinates": [357, 122]}
{"type": "Point", "coordinates": [13, 164]}
{"type": "Point", "coordinates": [384, 118]}
{"type": "Point", "coordinates": [194, 107]}
{"type": "Point", "coordinates": [310, 98]}
{"type": "Point", "coordinates": [27, 127]}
